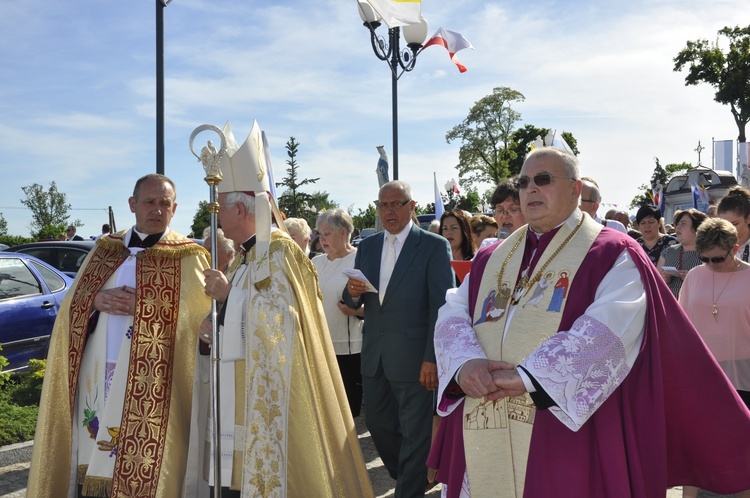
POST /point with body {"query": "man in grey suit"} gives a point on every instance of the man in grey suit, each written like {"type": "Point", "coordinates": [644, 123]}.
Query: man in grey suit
{"type": "Point", "coordinates": [411, 270]}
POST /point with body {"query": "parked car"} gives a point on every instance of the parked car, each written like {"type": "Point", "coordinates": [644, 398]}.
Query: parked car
{"type": "Point", "coordinates": [366, 232]}
{"type": "Point", "coordinates": [425, 220]}
{"type": "Point", "coordinates": [66, 256]}
{"type": "Point", "coordinates": [30, 295]}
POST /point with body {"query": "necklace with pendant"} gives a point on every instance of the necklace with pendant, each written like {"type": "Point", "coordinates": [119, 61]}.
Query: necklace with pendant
{"type": "Point", "coordinates": [714, 308]}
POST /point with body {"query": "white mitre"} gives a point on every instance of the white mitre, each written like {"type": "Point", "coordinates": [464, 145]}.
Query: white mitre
{"type": "Point", "coordinates": [244, 170]}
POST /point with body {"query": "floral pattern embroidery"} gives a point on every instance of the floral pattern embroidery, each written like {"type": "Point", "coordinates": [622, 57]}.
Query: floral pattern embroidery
{"type": "Point", "coordinates": [579, 369]}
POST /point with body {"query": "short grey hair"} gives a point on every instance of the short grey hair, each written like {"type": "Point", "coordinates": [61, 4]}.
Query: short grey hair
{"type": "Point", "coordinates": [397, 185]}
{"type": "Point", "coordinates": [715, 232]}
{"type": "Point", "coordinates": [222, 241]}
{"type": "Point", "coordinates": [595, 194]}
{"type": "Point", "coordinates": [337, 219]}
{"type": "Point", "coordinates": [298, 226]}
{"type": "Point", "coordinates": [569, 161]}
{"type": "Point", "coordinates": [241, 198]}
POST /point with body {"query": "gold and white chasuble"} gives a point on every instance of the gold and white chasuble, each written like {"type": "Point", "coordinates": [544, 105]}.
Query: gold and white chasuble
{"type": "Point", "coordinates": [293, 431]}
{"type": "Point", "coordinates": [134, 443]}
{"type": "Point", "coordinates": [497, 433]}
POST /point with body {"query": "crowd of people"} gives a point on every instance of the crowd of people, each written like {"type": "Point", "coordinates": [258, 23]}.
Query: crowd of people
{"type": "Point", "coordinates": [575, 356]}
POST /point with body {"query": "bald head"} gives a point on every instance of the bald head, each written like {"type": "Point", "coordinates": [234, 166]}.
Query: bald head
{"type": "Point", "coordinates": [590, 198]}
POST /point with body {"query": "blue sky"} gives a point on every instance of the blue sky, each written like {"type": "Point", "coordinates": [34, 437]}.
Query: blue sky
{"type": "Point", "coordinates": [77, 92]}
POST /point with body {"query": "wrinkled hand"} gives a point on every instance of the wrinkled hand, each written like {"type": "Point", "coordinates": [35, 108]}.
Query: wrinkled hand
{"type": "Point", "coordinates": [119, 301]}
{"type": "Point", "coordinates": [356, 288]}
{"type": "Point", "coordinates": [217, 285]}
{"type": "Point", "coordinates": [350, 311]}
{"type": "Point", "coordinates": [509, 384]}
{"type": "Point", "coordinates": [666, 276]}
{"type": "Point", "coordinates": [428, 377]}
{"type": "Point", "coordinates": [476, 376]}
{"type": "Point", "coordinates": [206, 331]}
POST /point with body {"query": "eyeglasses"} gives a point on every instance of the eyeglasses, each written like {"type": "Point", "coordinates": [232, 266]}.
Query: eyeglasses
{"type": "Point", "coordinates": [592, 201]}
{"type": "Point", "coordinates": [540, 180]}
{"type": "Point", "coordinates": [391, 206]}
{"type": "Point", "coordinates": [499, 212]}
{"type": "Point", "coordinates": [717, 259]}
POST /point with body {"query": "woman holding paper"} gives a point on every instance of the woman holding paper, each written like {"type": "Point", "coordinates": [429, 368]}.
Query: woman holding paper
{"type": "Point", "coordinates": [678, 259]}
{"type": "Point", "coordinates": [345, 324]}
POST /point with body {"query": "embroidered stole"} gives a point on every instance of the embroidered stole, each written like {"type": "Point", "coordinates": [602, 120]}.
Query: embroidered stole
{"type": "Point", "coordinates": [497, 433]}
{"type": "Point", "coordinates": [137, 444]}
{"type": "Point", "coordinates": [269, 346]}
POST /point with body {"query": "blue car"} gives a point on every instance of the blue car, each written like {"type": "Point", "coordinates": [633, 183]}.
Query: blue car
{"type": "Point", "coordinates": [30, 295]}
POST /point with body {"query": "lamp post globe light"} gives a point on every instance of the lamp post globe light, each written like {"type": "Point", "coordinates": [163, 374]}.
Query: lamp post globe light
{"type": "Point", "coordinates": [400, 60]}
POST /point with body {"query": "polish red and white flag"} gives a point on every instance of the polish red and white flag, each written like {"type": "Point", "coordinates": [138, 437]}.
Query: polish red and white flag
{"type": "Point", "coordinates": [453, 42]}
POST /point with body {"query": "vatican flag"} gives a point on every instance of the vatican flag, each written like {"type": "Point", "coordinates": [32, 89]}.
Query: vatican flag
{"type": "Point", "coordinates": [397, 12]}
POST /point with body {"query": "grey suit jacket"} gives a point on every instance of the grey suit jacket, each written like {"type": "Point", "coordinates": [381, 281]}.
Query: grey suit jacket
{"type": "Point", "coordinates": [400, 331]}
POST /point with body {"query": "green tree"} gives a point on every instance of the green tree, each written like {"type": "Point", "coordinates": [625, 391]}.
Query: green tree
{"type": "Point", "coordinates": [522, 139]}
{"type": "Point", "coordinates": [3, 225]}
{"type": "Point", "coordinates": [728, 73]}
{"type": "Point", "coordinates": [293, 201]}
{"type": "Point", "coordinates": [676, 169]}
{"type": "Point", "coordinates": [364, 218]}
{"type": "Point", "coordinates": [15, 240]}
{"type": "Point", "coordinates": [318, 203]}
{"type": "Point", "coordinates": [660, 176]}
{"type": "Point", "coordinates": [486, 136]}
{"type": "Point", "coordinates": [201, 219]}
{"type": "Point", "coordinates": [49, 210]}
{"type": "Point", "coordinates": [470, 201]}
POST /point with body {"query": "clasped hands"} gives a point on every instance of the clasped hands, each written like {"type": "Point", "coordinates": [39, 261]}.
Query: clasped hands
{"type": "Point", "coordinates": [491, 380]}
{"type": "Point", "coordinates": [117, 301]}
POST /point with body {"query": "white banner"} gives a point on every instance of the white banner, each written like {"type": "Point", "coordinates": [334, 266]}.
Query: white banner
{"type": "Point", "coordinates": [743, 174]}
{"type": "Point", "coordinates": [723, 156]}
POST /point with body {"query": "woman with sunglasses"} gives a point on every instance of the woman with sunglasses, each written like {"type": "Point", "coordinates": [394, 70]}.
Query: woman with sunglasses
{"type": "Point", "coordinates": [714, 296]}
{"type": "Point", "coordinates": [683, 255]}
{"type": "Point", "coordinates": [652, 240]}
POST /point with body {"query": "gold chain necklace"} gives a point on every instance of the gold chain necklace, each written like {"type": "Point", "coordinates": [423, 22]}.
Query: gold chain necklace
{"type": "Point", "coordinates": [714, 308]}
{"type": "Point", "coordinates": [525, 284]}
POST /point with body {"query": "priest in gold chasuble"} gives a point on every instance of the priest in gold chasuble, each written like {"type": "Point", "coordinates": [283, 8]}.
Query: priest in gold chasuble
{"type": "Point", "coordinates": [114, 417]}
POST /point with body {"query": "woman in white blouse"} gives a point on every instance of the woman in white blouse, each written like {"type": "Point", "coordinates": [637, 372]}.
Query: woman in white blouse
{"type": "Point", "coordinates": [335, 228]}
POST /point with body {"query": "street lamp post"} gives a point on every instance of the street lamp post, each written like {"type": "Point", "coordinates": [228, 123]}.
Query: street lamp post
{"type": "Point", "coordinates": [160, 6]}
{"type": "Point", "coordinates": [397, 58]}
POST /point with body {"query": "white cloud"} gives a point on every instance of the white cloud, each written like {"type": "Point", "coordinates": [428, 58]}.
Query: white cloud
{"type": "Point", "coordinates": [78, 95]}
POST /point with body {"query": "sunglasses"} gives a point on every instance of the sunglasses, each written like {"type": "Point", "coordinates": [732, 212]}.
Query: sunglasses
{"type": "Point", "coordinates": [717, 259]}
{"type": "Point", "coordinates": [540, 180]}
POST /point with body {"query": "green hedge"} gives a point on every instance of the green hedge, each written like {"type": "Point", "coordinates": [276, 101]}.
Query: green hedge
{"type": "Point", "coordinates": [19, 403]}
{"type": "Point", "coordinates": [14, 240]}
